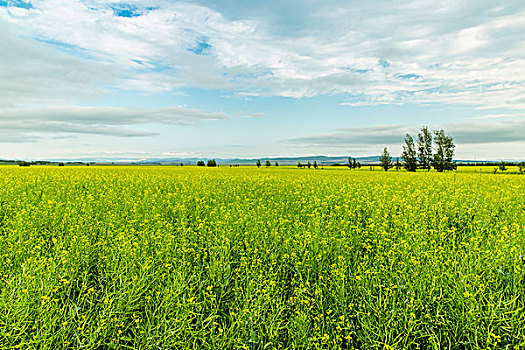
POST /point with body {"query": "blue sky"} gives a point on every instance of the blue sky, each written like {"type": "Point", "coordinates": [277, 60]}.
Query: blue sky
{"type": "Point", "coordinates": [149, 79]}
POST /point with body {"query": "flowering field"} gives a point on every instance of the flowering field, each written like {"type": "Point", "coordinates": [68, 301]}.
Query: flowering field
{"type": "Point", "coordinates": [247, 258]}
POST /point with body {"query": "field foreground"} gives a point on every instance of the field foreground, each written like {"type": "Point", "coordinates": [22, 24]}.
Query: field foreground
{"type": "Point", "coordinates": [247, 258]}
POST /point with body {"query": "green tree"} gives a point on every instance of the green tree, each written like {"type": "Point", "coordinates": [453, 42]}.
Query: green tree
{"type": "Point", "coordinates": [200, 163]}
{"type": "Point", "coordinates": [212, 163]}
{"type": "Point", "coordinates": [258, 163]}
{"type": "Point", "coordinates": [315, 164]}
{"type": "Point", "coordinates": [424, 148]}
{"type": "Point", "coordinates": [276, 164]}
{"type": "Point", "coordinates": [445, 148]}
{"type": "Point", "coordinates": [521, 167]}
{"type": "Point", "coordinates": [352, 163]}
{"type": "Point", "coordinates": [309, 165]}
{"type": "Point", "coordinates": [502, 166]}
{"type": "Point", "coordinates": [450, 150]}
{"type": "Point", "coordinates": [385, 160]}
{"type": "Point", "coordinates": [439, 156]}
{"type": "Point", "coordinates": [299, 165]}
{"type": "Point", "coordinates": [268, 164]}
{"type": "Point", "coordinates": [409, 154]}
{"type": "Point", "coordinates": [397, 164]}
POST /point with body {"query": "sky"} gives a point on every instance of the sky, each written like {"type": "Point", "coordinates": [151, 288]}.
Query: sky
{"type": "Point", "coordinates": [135, 80]}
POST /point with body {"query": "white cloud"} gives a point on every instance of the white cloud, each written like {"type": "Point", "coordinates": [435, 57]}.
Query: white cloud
{"type": "Point", "coordinates": [59, 54]}
{"type": "Point", "coordinates": [29, 124]}
{"type": "Point", "coordinates": [499, 116]}
{"type": "Point", "coordinates": [467, 53]}
{"type": "Point", "coordinates": [464, 132]}
{"type": "Point", "coordinates": [33, 73]}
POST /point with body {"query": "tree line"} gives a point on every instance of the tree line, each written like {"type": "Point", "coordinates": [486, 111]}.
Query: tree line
{"type": "Point", "coordinates": [211, 163]}
{"type": "Point", "coordinates": [430, 151]}
{"type": "Point", "coordinates": [353, 163]}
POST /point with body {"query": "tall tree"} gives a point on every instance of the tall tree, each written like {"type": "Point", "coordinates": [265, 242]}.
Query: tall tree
{"type": "Point", "coordinates": [443, 158]}
{"type": "Point", "coordinates": [424, 148]}
{"type": "Point", "coordinates": [439, 156]}
{"type": "Point", "coordinates": [398, 164]}
{"type": "Point", "coordinates": [450, 150]}
{"type": "Point", "coordinates": [409, 154]}
{"type": "Point", "coordinates": [315, 164]}
{"type": "Point", "coordinates": [258, 163]}
{"type": "Point", "coordinates": [521, 167]}
{"type": "Point", "coordinates": [385, 160]}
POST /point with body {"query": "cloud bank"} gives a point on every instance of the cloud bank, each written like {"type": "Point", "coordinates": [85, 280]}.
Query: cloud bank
{"type": "Point", "coordinates": [22, 125]}
{"type": "Point", "coordinates": [467, 132]}
{"type": "Point", "coordinates": [466, 53]}
{"type": "Point", "coordinates": [60, 56]}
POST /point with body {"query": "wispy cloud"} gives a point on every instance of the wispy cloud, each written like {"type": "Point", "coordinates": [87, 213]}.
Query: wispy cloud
{"type": "Point", "coordinates": [29, 123]}
{"type": "Point", "coordinates": [58, 55]}
{"type": "Point", "coordinates": [32, 72]}
{"type": "Point", "coordinates": [467, 132]}
{"type": "Point", "coordinates": [499, 116]}
{"type": "Point", "coordinates": [468, 53]}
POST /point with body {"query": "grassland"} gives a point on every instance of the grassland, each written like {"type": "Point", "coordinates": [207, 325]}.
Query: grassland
{"type": "Point", "coordinates": [247, 258]}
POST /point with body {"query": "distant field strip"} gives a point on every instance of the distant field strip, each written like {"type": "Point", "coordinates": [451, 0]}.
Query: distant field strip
{"type": "Point", "coordinates": [247, 258]}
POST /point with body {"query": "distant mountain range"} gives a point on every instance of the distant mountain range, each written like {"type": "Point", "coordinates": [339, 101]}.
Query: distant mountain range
{"type": "Point", "coordinates": [321, 160]}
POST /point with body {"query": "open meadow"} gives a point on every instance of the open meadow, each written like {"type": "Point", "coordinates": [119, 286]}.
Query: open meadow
{"type": "Point", "coordinates": [270, 258]}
